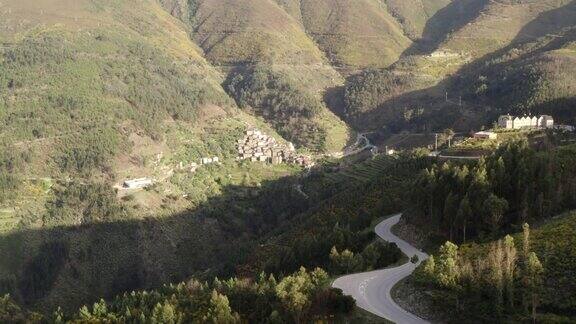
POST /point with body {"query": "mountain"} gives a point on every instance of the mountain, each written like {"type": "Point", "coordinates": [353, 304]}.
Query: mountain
{"type": "Point", "coordinates": [95, 92]}
{"type": "Point", "coordinates": [499, 57]}
{"type": "Point", "coordinates": [354, 34]}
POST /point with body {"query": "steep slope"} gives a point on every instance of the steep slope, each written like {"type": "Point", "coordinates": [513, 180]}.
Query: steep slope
{"type": "Point", "coordinates": [356, 34]}
{"type": "Point", "coordinates": [72, 70]}
{"type": "Point", "coordinates": [250, 31]}
{"type": "Point", "coordinates": [292, 7]}
{"type": "Point", "coordinates": [238, 35]}
{"type": "Point", "coordinates": [93, 93]}
{"type": "Point", "coordinates": [414, 15]}
{"type": "Point", "coordinates": [499, 57]}
{"type": "Point", "coordinates": [533, 77]}
{"type": "Point", "coordinates": [501, 23]}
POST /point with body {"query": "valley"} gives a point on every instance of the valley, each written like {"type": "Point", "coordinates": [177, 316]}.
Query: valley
{"type": "Point", "coordinates": [128, 174]}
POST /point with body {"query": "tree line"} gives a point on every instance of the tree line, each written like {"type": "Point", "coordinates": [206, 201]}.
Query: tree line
{"type": "Point", "coordinates": [301, 297]}
{"type": "Point", "coordinates": [500, 279]}
{"type": "Point", "coordinates": [514, 185]}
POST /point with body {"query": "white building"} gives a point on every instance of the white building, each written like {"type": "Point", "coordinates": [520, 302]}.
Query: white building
{"type": "Point", "coordinates": [486, 135]}
{"type": "Point", "coordinates": [138, 183]}
{"type": "Point", "coordinates": [511, 122]}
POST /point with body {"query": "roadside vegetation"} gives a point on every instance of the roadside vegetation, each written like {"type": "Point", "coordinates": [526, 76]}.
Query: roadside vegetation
{"type": "Point", "coordinates": [521, 277]}
{"type": "Point", "coordinates": [324, 230]}
{"type": "Point", "coordinates": [515, 184]}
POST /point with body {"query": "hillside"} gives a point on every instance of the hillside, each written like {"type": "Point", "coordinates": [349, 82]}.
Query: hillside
{"type": "Point", "coordinates": [482, 299]}
{"type": "Point", "coordinates": [236, 35]}
{"type": "Point", "coordinates": [355, 34]}
{"type": "Point", "coordinates": [500, 57]}
{"type": "Point", "coordinates": [95, 92]}
{"type": "Point", "coordinates": [502, 23]}
{"type": "Point", "coordinates": [415, 16]}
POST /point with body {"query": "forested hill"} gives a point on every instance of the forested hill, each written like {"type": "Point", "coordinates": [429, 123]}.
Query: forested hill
{"type": "Point", "coordinates": [95, 92]}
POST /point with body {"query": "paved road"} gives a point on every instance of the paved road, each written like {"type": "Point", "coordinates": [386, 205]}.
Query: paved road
{"type": "Point", "coordinates": [356, 148]}
{"type": "Point", "coordinates": [371, 290]}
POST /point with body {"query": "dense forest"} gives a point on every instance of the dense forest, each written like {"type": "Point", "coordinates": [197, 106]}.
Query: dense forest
{"type": "Point", "coordinates": [297, 298]}
{"type": "Point", "coordinates": [515, 184]}
{"type": "Point", "coordinates": [330, 234]}
{"type": "Point", "coordinates": [285, 104]}
{"type": "Point", "coordinates": [513, 277]}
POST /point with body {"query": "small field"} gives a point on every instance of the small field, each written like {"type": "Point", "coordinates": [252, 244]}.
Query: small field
{"type": "Point", "coordinates": [361, 172]}
{"type": "Point", "coordinates": [408, 141]}
{"type": "Point", "coordinates": [8, 219]}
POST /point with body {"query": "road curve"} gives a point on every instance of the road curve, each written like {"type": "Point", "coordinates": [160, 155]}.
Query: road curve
{"type": "Point", "coordinates": [371, 290]}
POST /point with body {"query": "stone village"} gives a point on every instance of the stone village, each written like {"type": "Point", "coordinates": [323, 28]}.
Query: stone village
{"type": "Point", "coordinates": [254, 146]}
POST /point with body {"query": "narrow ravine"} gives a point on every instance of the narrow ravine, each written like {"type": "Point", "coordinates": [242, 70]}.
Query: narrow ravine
{"type": "Point", "coordinates": [372, 290]}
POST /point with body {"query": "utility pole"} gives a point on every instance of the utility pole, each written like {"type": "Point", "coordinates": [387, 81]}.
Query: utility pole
{"type": "Point", "coordinates": [446, 96]}
{"type": "Point", "coordinates": [436, 145]}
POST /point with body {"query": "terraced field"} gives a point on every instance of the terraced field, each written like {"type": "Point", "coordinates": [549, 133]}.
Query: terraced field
{"type": "Point", "coordinates": [360, 173]}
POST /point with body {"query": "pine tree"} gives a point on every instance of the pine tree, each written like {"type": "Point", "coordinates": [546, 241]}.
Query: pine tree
{"type": "Point", "coordinates": [464, 214]}
{"type": "Point", "coordinates": [428, 270]}
{"type": "Point", "coordinates": [496, 259]}
{"type": "Point", "coordinates": [100, 309]}
{"type": "Point", "coordinates": [163, 314]}
{"type": "Point", "coordinates": [495, 208]}
{"type": "Point", "coordinates": [450, 212]}
{"type": "Point", "coordinates": [510, 259]}
{"type": "Point", "coordinates": [295, 291]}
{"type": "Point", "coordinates": [533, 280]}
{"type": "Point", "coordinates": [525, 240]}
{"type": "Point", "coordinates": [447, 267]}
{"type": "Point", "coordinates": [220, 311]}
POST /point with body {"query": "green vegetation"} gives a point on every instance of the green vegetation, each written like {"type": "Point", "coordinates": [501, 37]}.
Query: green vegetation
{"type": "Point", "coordinates": [238, 232]}
{"type": "Point", "coordinates": [233, 230]}
{"type": "Point", "coordinates": [77, 204]}
{"type": "Point", "coordinates": [415, 15]}
{"type": "Point", "coordinates": [370, 89]}
{"type": "Point", "coordinates": [534, 77]}
{"type": "Point", "coordinates": [343, 221]}
{"type": "Point", "coordinates": [516, 278]}
{"type": "Point", "coordinates": [513, 185]}
{"type": "Point", "coordinates": [300, 297]}
{"type": "Point", "coordinates": [95, 92]}
{"type": "Point", "coordinates": [288, 106]}
{"type": "Point", "coordinates": [360, 34]}
{"type": "Point", "coordinates": [73, 114]}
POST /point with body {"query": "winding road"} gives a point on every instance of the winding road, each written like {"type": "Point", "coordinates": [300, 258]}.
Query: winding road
{"type": "Point", "coordinates": [372, 290]}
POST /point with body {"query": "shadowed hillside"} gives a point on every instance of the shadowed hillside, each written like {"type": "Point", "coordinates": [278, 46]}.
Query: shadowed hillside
{"type": "Point", "coordinates": [513, 72]}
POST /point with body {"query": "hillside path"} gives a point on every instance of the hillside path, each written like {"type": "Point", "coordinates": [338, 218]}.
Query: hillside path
{"type": "Point", "coordinates": [372, 290]}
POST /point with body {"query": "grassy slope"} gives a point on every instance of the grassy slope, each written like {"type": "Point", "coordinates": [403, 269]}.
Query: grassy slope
{"type": "Point", "coordinates": [249, 31]}
{"type": "Point", "coordinates": [356, 34]}
{"type": "Point", "coordinates": [511, 56]}
{"type": "Point", "coordinates": [88, 75]}
{"type": "Point", "coordinates": [122, 79]}
{"type": "Point", "coordinates": [415, 14]}
{"type": "Point", "coordinates": [535, 77]}
{"type": "Point", "coordinates": [238, 33]}
{"type": "Point", "coordinates": [503, 22]}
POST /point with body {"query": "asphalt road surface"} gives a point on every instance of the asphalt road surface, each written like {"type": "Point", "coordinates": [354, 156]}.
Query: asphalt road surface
{"type": "Point", "coordinates": [371, 290]}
